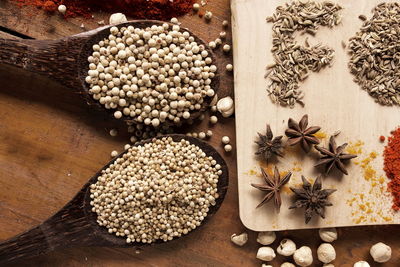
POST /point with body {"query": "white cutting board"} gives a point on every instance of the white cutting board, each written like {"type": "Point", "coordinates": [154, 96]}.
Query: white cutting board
{"type": "Point", "coordinates": [333, 101]}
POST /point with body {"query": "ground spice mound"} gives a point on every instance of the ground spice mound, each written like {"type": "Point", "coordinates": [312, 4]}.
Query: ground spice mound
{"type": "Point", "coordinates": [137, 9]}
{"type": "Point", "coordinates": [392, 166]}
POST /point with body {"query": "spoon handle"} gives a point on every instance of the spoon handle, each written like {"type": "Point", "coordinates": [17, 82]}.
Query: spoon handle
{"type": "Point", "coordinates": [53, 58]}
{"type": "Point", "coordinates": [69, 227]}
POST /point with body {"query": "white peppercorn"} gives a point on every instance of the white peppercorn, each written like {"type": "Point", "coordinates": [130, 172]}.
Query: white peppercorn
{"type": "Point", "coordinates": [226, 48]}
{"type": "Point", "coordinates": [154, 76]}
{"type": "Point", "coordinates": [213, 119]}
{"type": "Point", "coordinates": [62, 9]}
{"type": "Point", "coordinates": [114, 153]}
{"type": "Point", "coordinates": [225, 140]}
{"type": "Point", "coordinates": [113, 132]}
{"type": "Point", "coordinates": [196, 7]}
{"type": "Point", "coordinates": [208, 15]}
{"type": "Point", "coordinates": [229, 67]}
{"type": "Point", "coordinates": [222, 35]}
{"type": "Point", "coordinates": [225, 23]}
{"type": "Point", "coordinates": [202, 135]}
{"type": "Point", "coordinates": [228, 148]}
{"type": "Point", "coordinates": [174, 20]}
{"type": "Point", "coordinates": [209, 133]}
{"type": "Point", "coordinates": [212, 45]}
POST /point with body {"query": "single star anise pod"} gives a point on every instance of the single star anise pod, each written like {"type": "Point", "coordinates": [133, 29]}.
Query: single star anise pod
{"type": "Point", "coordinates": [272, 187]}
{"type": "Point", "coordinates": [334, 156]}
{"type": "Point", "coordinates": [269, 146]}
{"type": "Point", "coordinates": [313, 198]}
{"type": "Point", "coordinates": [299, 133]}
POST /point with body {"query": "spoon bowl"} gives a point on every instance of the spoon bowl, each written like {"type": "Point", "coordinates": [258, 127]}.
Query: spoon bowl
{"type": "Point", "coordinates": [65, 60]}
{"type": "Point", "coordinates": [75, 224]}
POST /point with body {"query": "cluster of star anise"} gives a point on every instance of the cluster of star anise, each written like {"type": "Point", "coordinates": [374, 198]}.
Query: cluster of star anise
{"type": "Point", "coordinates": [300, 133]}
{"type": "Point", "coordinates": [312, 197]}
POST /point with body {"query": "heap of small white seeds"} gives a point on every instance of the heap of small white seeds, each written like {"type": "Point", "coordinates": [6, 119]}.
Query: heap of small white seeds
{"type": "Point", "coordinates": [156, 191]}
{"type": "Point", "coordinates": [152, 76]}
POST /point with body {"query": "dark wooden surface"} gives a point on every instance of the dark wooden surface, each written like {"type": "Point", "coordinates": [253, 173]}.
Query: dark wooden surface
{"type": "Point", "coordinates": [51, 143]}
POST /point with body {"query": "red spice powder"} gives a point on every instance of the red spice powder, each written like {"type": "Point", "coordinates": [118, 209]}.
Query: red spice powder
{"type": "Point", "coordinates": [392, 166]}
{"type": "Point", "coordinates": [137, 9]}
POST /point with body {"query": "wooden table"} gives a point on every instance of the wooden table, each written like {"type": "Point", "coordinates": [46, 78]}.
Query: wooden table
{"type": "Point", "coordinates": [51, 142]}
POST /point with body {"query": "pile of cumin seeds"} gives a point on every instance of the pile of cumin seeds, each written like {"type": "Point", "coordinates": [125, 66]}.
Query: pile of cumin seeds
{"type": "Point", "coordinates": [375, 54]}
{"type": "Point", "coordinates": [293, 62]}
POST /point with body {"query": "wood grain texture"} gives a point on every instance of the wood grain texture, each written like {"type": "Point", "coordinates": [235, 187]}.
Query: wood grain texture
{"type": "Point", "coordinates": [51, 142]}
{"type": "Point", "coordinates": [332, 101]}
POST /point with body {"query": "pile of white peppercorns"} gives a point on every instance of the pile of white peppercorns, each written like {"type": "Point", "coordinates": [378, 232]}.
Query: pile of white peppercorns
{"type": "Point", "coordinates": [152, 76]}
{"type": "Point", "coordinates": [156, 191]}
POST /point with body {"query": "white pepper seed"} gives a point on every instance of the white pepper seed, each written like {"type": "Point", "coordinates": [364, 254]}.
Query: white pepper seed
{"type": "Point", "coordinates": [114, 153]}
{"type": "Point", "coordinates": [202, 135]}
{"type": "Point", "coordinates": [225, 23]}
{"type": "Point", "coordinates": [213, 119]}
{"type": "Point", "coordinates": [127, 146]}
{"type": "Point", "coordinates": [62, 9]}
{"type": "Point", "coordinates": [118, 114]}
{"type": "Point", "coordinates": [196, 7]}
{"type": "Point", "coordinates": [229, 67]}
{"type": "Point", "coordinates": [225, 140]}
{"type": "Point", "coordinates": [174, 21]}
{"type": "Point", "coordinates": [212, 45]}
{"type": "Point", "coordinates": [113, 132]}
{"type": "Point", "coordinates": [226, 48]}
{"type": "Point", "coordinates": [222, 35]}
{"type": "Point", "coordinates": [152, 76]}
{"type": "Point", "coordinates": [209, 133]}
{"type": "Point", "coordinates": [208, 15]}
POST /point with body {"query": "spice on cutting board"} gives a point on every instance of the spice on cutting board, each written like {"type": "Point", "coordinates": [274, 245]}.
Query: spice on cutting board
{"type": "Point", "coordinates": [391, 156]}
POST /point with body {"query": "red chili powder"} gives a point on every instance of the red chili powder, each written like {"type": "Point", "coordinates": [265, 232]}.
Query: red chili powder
{"type": "Point", "coordinates": [392, 166]}
{"type": "Point", "coordinates": [137, 9]}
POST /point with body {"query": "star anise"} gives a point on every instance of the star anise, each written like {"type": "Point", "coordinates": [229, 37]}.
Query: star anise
{"type": "Point", "coordinates": [299, 133]}
{"type": "Point", "coordinates": [334, 156]}
{"type": "Point", "coordinates": [272, 187]}
{"type": "Point", "coordinates": [313, 198]}
{"type": "Point", "coordinates": [269, 146]}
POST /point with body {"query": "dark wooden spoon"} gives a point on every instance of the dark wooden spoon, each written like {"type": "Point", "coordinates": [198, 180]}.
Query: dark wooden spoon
{"type": "Point", "coordinates": [75, 224]}
{"type": "Point", "coordinates": [65, 60]}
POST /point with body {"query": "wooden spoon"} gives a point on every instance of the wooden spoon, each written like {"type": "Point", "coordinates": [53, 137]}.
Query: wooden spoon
{"type": "Point", "coordinates": [65, 60]}
{"type": "Point", "coordinates": [75, 224]}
